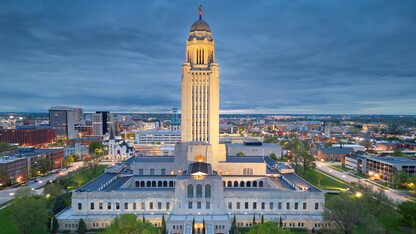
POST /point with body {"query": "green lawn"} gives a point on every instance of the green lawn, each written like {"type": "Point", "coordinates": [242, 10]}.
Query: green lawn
{"type": "Point", "coordinates": [7, 224]}
{"type": "Point", "coordinates": [339, 168]}
{"type": "Point", "coordinates": [85, 175]}
{"type": "Point", "coordinates": [312, 176]}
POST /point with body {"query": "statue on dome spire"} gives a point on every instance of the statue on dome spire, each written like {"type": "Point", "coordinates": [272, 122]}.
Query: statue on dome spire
{"type": "Point", "coordinates": [200, 11]}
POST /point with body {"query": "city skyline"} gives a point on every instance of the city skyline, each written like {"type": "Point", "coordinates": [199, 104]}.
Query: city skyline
{"type": "Point", "coordinates": [280, 57]}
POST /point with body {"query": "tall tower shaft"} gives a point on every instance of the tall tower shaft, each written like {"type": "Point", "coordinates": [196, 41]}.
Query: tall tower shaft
{"type": "Point", "coordinates": [200, 89]}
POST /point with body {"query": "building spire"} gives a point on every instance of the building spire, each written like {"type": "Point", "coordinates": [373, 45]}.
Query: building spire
{"type": "Point", "coordinates": [200, 11]}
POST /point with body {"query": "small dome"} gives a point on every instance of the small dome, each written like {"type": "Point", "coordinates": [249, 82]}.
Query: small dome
{"type": "Point", "coordinates": [200, 25]}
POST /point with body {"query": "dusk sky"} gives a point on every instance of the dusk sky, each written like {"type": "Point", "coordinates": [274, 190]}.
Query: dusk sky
{"type": "Point", "coordinates": [353, 57]}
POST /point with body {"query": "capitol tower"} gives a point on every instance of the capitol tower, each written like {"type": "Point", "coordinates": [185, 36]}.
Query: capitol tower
{"type": "Point", "coordinates": [200, 95]}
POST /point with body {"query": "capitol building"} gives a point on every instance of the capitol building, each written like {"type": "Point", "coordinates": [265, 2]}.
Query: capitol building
{"type": "Point", "coordinates": [200, 182]}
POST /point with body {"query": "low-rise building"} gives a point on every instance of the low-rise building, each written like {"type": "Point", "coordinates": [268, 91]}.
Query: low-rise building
{"type": "Point", "coordinates": [28, 135]}
{"type": "Point", "coordinates": [384, 168]}
{"type": "Point", "coordinates": [334, 153]}
{"type": "Point", "coordinates": [158, 137]}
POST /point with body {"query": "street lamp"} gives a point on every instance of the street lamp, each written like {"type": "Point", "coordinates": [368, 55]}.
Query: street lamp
{"type": "Point", "coordinates": [358, 194]}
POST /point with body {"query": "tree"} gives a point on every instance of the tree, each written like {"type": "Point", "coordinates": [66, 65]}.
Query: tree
{"type": "Point", "coordinates": [55, 225]}
{"type": "Point", "coordinates": [267, 228]}
{"type": "Point", "coordinates": [254, 219]}
{"type": "Point", "coordinates": [96, 148]}
{"type": "Point", "coordinates": [307, 160]}
{"type": "Point", "coordinates": [375, 202]}
{"type": "Point", "coordinates": [273, 156]}
{"type": "Point", "coordinates": [280, 221]}
{"type": "Point", "coordinates": [193, 226]}
{"type": "Point", "coordinates": [82, 227]}
{"type": "Point", "coordinates": [65, 182]}
{"type": "Point", "coordinates": [203, 226]}
{"type": "Point", "coordinates": [53, 189]}
{"type": "Point", "coordinates": [29, 211]}
{"type": "Point", "coordinates": [344, 211]}
{"type": "Point", "coordinates": [44, 165]}
{"type": "Point", "coordinates": [262, 218]}
{"type": "Point", "coordinates": [59, 204]}
{"type": "Point", "coordinates": [93, 162]}
{"type": "Point", "coordinates": [408, 211]}
{"type": "Point", "coordinates": [240, 154]}
{"type": "Point", "coordinates": [234, 228]}
{"type": "Point", "coordinates": [163, 226]}
{"type": "Point", "coordinates": [397, 152]}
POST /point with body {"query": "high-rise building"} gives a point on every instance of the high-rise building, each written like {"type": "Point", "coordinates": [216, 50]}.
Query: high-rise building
{"type": "Point", "coordinates": [102, 121]}
{"type": "Point", "coordinates": [62, 119]}
{"type": "Point", "coordinates": [200, 92]}
{"type": "Point", "coordinates": [79, 112]}
{"type": "Point", "coordinates": [175, 123]}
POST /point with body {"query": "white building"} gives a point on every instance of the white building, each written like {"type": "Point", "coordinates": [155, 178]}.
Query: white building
{"type": "Point", "coordinates": [199, 182]}
{"type": "Point", "coordinates": [158, 136]}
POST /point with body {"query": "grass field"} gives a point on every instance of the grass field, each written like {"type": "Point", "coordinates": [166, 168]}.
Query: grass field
{"type": "Point", "coordinates": [312, 176]}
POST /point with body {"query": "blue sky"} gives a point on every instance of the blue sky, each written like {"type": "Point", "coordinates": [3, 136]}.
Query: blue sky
{"type": "Point", "coordinates": [356, 57]}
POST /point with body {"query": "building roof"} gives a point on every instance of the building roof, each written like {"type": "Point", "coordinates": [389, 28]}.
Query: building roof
{"type": "Point", "coordinates": [200, 25]}
{"type": "Point", "coordinates": [393, 160]}
{"type": "Point", "coordinates": [337, 150]}
{"type": "Point", "coordinates": [298, 181]}
{"type": "Point", "coordinates": [199, 168]}
{"type": "Point", "coordinates": [245, 159]}
{"type": "Point", "coordinates": [154, 159]}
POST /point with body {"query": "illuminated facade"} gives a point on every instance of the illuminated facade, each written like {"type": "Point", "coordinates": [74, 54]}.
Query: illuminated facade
{"type": "Point", "coordinates": [199, 182]}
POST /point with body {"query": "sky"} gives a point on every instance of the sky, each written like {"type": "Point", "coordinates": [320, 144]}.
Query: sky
{"type": "Point", "coordinates": [317, 57]}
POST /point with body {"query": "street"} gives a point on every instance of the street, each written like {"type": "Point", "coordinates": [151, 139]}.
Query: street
{"type": "Point", "coordinates": [8, 193]}
{"type": "Point", "coordinates": [344, 176]}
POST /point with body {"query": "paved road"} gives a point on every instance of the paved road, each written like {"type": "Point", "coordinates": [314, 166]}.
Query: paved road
{"type": "Point", "coordinates": [8, 193]}
{"type": "Point", "coordinates": [324, 166]}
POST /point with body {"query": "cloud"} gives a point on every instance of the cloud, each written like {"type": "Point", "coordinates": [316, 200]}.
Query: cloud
{"type": "Point", "coordinates": [274, 56]}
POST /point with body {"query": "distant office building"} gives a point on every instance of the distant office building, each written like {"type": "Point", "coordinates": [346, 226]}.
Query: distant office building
{"type": "Point", "coordinates": [158, 137]}
{"type": "Point", "coordinates": [79, 112]}
{"type": "Point", "coordinates": [84, 130]}
{"type": "Point", "coordinates": [228, 129]}
{"type": "Point", "coordinates": [28, 135]}
{"type": "Point", "coordinates": [62, 119]}
{"type": "Point", "coordinates": [102, 122]}
{"type": "Point", "coordinates": [175, 123]}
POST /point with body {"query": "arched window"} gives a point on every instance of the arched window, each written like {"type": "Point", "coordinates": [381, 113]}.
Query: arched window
{"type": "Point", "coordinates": [199, 190]}
{"type": "Point", "coordinates": [248, 184]}
{"type": "Point", "coordinates": [190, 190]}
{"type": "Point", "coordinates": [235, 183]}
{"type": "Point", "coordinates": [261, 184]}
{"type": "Point", "coordinates": [165, 183]}
{"type": "Point", "coordinates": [170, 183]}
{"type": "Point", "coordinates": [223, 184]}
{"type": "Point", "coordinates": [229, 184]}
{"type": "Point", "coordinates": [153, 183]}
{"type": "Point", "coordinates": [207, 190]}
{"type": "Point", "coordinates": [254, 183]}
{"type": "Point", "coordinates": [159, 184]}
{"type": "Point", "coordinates": [137, 183]}
{"type": "Point", "coordinates": [241, 183]}
{"type": "Point", "coordinates": [148, 184]}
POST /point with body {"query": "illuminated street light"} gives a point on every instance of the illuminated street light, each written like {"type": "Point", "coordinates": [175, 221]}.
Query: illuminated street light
{"type": "Point", "coordinates": [358, 194]}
